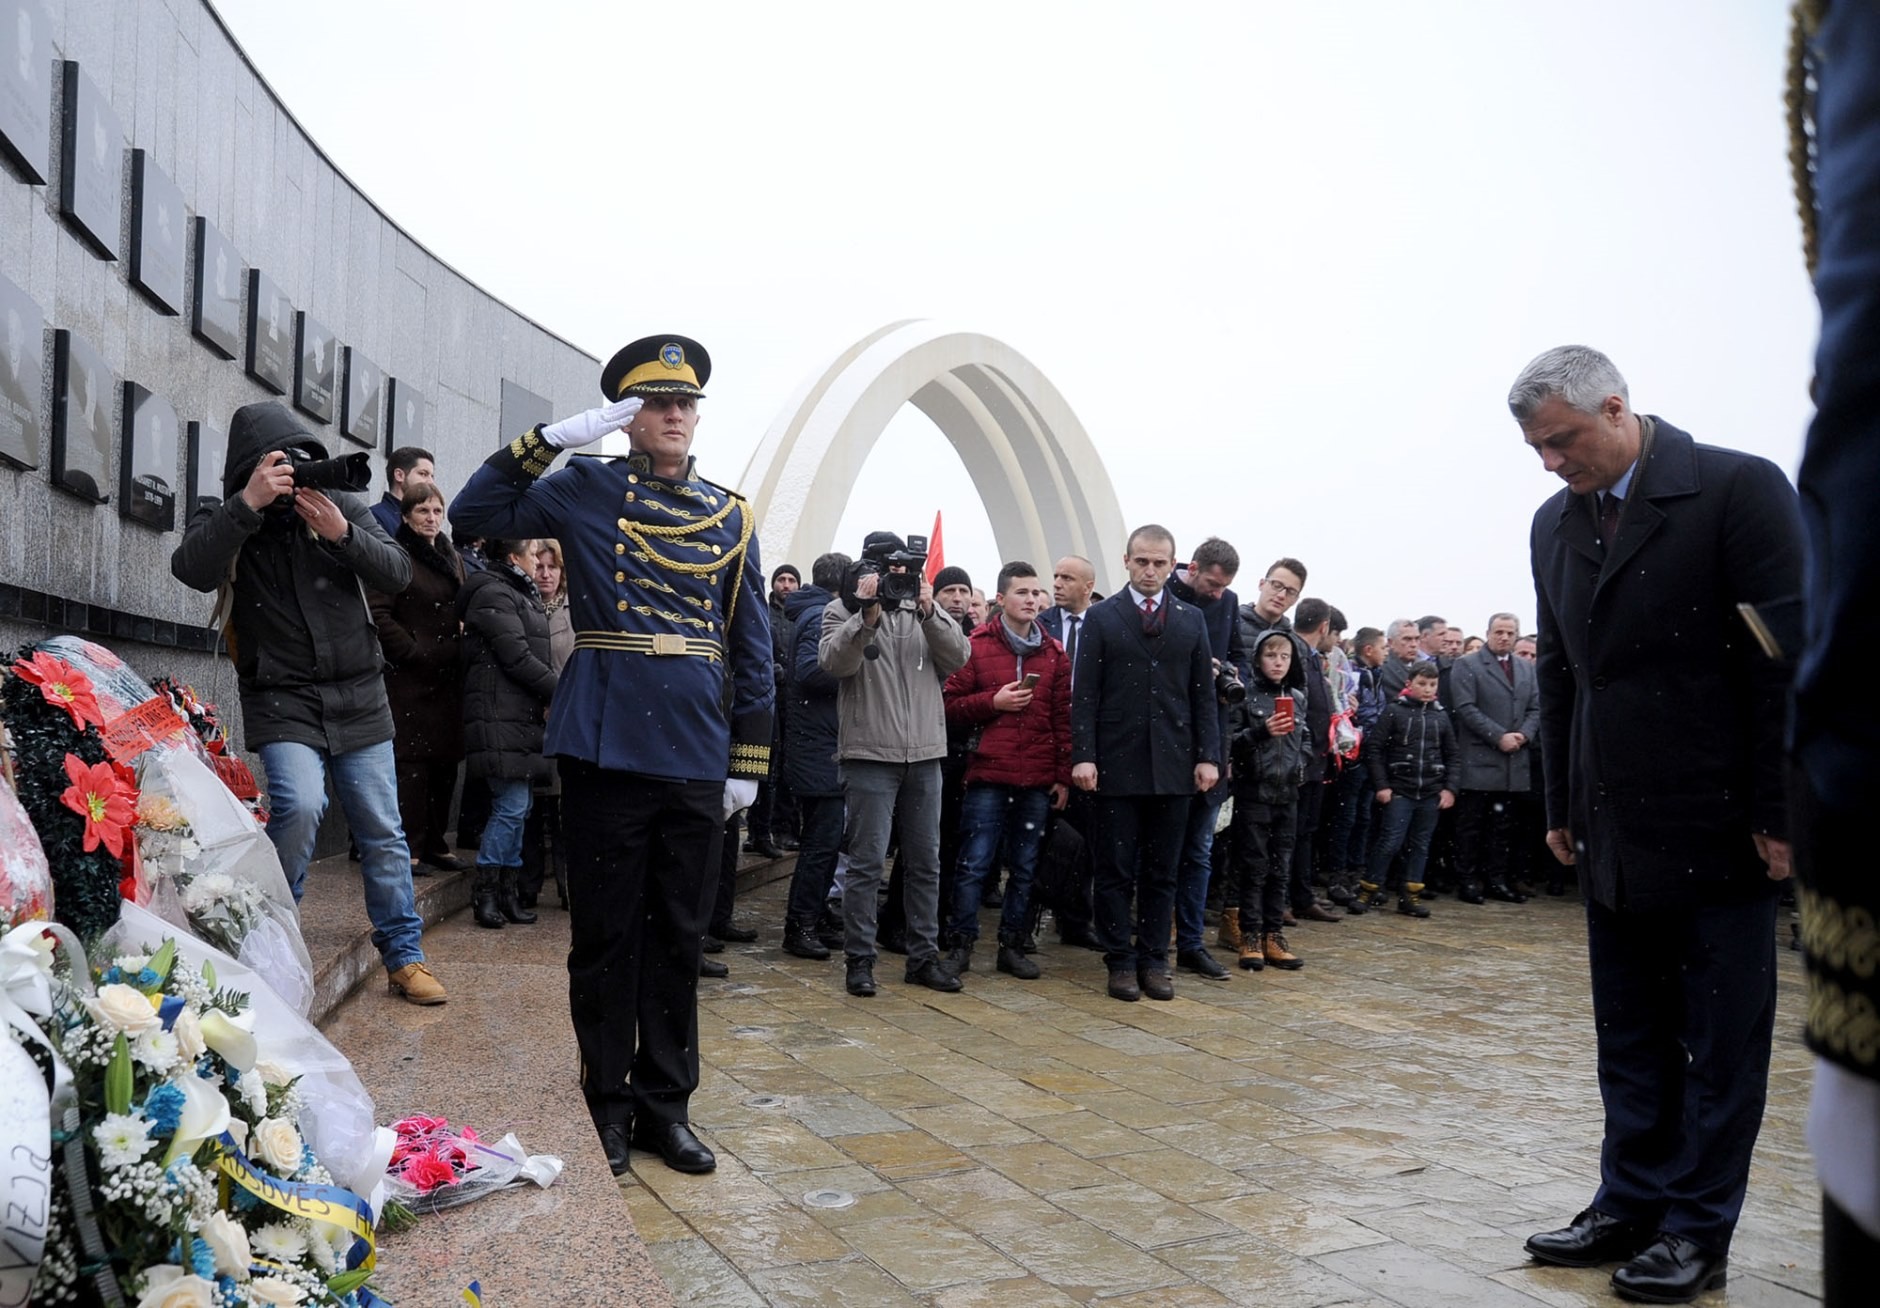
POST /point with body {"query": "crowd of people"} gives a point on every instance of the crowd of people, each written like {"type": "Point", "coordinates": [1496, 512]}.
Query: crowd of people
{"type": "Point", "coordinates": [1383, 766]}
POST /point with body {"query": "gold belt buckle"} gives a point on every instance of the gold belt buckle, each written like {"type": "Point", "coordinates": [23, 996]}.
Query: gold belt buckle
{"type": "Point", "coordinates": [667, 643]}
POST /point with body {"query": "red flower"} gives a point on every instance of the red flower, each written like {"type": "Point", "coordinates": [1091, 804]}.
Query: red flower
{"type": "Point", "coordinates": [108, 806]}
{"type": "Point", "coordinates": [63, 686]}
{"type": "Point", "coordinates": [428, 1172]}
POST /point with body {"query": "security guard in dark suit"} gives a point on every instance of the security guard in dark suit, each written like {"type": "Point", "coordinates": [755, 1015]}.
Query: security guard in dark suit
{"type": "Point", "coordinates": [661, 721]}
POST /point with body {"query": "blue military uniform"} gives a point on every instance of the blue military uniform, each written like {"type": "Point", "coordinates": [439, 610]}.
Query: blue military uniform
{"type": "Point", "coordinates": [668, 692]}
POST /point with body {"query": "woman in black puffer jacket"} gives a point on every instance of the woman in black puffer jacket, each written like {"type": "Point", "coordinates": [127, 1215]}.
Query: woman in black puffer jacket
{"type": "Point", "coordinates": [509, 679]}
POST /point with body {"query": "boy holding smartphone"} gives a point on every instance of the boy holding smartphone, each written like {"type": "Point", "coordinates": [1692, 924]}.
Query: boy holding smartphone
{"type": "Point", "coordinates": [1270, 757]}
{"type": "Point", "coordinates": [1015, 693]}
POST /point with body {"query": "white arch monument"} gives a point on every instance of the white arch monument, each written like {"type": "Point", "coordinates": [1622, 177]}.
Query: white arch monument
{"type": "Point", "coordinates": [1043, 485]}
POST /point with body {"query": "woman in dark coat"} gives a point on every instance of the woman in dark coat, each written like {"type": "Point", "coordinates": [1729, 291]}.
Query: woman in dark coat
{"type": "Point", "coordinates": [509, 679]}
{"type": "Point", "coordinates": [420, 635]}
{"type": "Point", "coordinates": [542, 847]}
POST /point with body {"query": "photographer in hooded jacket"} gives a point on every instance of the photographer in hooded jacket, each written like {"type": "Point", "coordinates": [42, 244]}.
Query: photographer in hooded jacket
{"type": "Point", "coordinates": [293, 563]}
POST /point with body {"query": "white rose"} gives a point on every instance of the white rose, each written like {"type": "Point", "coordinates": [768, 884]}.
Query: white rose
{"type": "Point", "coordinates": [167, 1287]}
{"type": "Point", "coordinates": [124, 1008]}
{"type": "Point", "coordinates": [272, 1073]}
{"type": "Point", "coordinates": [229, 1243]}
{"type": "Point", "coordinates": [188, 1033]}
{"type": "Point", "coordinates": [278, 1143]}
{"type": "Point", "coordinates": [273, 1290]}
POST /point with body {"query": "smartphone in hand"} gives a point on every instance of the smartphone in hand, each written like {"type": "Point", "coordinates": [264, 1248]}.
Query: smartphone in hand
{"type": "Point", "coordinates": [1031, 681]}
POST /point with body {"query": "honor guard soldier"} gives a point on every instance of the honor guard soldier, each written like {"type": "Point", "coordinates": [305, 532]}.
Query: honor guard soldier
{"type": "Point", "coordinates": [661, 721]}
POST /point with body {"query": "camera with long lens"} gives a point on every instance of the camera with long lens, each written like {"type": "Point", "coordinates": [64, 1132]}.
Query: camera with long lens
{"type": "Point", "coordinates": [346, 472]}
{"type": "Point", "coordinates": [895, 589]}
{"type": "Point", "coordinates": [1228, 686]}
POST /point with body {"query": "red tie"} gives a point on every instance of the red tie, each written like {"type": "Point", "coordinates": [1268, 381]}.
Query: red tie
{"type": "Point", "coordinates": [1149, 616]}
{"type": "Point", "coordinates": [1609, 507]}
{"type": "Point", "coordinates": [1507, 667]}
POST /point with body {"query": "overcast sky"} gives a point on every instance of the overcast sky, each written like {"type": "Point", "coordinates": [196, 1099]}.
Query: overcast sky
{"type": "Point", "coordinates": [1283, 260]}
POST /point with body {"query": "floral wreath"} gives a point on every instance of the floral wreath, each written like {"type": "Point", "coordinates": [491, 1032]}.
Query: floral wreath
{"type": "Point", "coordinates": [82, 802]}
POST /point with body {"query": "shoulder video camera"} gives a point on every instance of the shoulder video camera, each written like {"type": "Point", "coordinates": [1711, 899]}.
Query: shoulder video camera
{"type": "Point", "coordinates": [895, 588]}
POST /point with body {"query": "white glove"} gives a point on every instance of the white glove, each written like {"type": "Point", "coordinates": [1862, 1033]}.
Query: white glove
{"type": "Point", "coordinates": [740, 794]}
{"type": "Point", "coordinates": [586, 428]}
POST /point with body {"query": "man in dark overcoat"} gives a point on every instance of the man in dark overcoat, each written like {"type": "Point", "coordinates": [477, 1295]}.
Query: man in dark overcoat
{"type": "Point", "coordinates": [1495, 705]}
{"type": "Point", "coordinates": [1661, 738]}
{"type": "Point", "coordinates": [1145, 738]}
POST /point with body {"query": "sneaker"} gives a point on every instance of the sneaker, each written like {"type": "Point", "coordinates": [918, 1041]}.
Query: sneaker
{"type": "Point", "coordinates": [1012, 962]}
{"type": "Point", "coordinates": [861, 976]}
{"type": "Point", "coordinates": [932, 973]}
{"type": "Point", "coordinates": [417, 984]}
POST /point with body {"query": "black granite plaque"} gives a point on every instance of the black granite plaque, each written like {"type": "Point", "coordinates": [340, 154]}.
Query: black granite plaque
{"type": "Point", "coordinates": [216, 316]}
{"type": "Point", "coordinates": [522, 409]}
{"type": "Point", "coordinates": [270, 333]}
{"type": "Point", "coordinates": [22, 370]}
{"type": "Point", "coordinates": [26, 88]}
{"type": "Point", "coordinates": [81, 417]}
{"type": "Point", "coordinates": [208, 451]}
{"type": "Point", "coordinates": [157, 219]}
{"type": "Point", "coordinates": [91, 179]}
{"type": "Point", "coordinates": [363, 399]}
{"type": "Point", "coordinates": [404, 414]}
{"type": "Point", "coordinates": [147, 476]}
{"type": "Point", "coordinates": [316, 368]}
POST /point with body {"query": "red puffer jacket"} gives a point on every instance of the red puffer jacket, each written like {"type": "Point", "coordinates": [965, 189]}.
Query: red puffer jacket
{"type": "Point", "coordinates": [1028, 748]}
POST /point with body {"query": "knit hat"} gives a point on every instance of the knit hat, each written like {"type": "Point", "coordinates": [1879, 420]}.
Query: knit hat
{"type": "Point", "coordinates": [783, 569]}
{"type": "Point", "coordinates": [951, 577]}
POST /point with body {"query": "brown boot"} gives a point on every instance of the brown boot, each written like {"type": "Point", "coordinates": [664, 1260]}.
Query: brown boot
{"type": "Point", "coordinates": [1252, 954]}
{"type": "Point", "coordinates": [1229, 937]}
{"type": "Point", "coordinates": [1277, 955]}
{"type": "Point", "coordinates": [416, 983]}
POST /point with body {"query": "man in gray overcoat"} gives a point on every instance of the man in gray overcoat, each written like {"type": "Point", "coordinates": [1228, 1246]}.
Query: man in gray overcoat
{"type": "Point", "coordinates": [1497, 712]}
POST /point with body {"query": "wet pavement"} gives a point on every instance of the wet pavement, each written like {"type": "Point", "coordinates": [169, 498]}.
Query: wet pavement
{"type": "Point", "coordinates": [1384, 1127]}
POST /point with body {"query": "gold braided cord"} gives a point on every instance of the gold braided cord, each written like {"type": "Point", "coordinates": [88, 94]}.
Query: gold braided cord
{"type": "Point", "coordinates": [737, 580]}
{"type": "Point", "coordinates": [1799, 99]}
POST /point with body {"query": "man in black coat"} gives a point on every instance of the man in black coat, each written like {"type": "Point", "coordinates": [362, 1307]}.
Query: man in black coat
{"type": "Point", "coordinates": [810, 928]}
{"type": "Point", "coordinates": [1145, 739]}
{"type": "Point", "coordinates": [1661, 739]}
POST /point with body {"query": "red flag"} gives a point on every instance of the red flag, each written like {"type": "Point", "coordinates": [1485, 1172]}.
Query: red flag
{"type": "Point", "coordinates": [936, 554]}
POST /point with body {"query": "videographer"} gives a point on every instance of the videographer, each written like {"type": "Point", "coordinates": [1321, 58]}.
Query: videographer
{"type": "Point", "coordinates": [292, 563]}
{"type": "Point", "coordinates": [892, 649]}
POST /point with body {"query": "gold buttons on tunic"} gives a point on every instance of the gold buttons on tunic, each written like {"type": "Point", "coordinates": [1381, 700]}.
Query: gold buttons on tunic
{"type": "Point", "coordinates": [619, 548]}
{"type": "Point", "coordinates": [629, 497]}
{"type": "Point", "coordinates": [713, 579]}
{"type": "Point", "coordinates": [622, 606]}
{"type": "Point", "coordinates": [620, 576]}
{"type": "Point", "coordinates": [622, 524]}
{"type": "Point", "coordinates": [717, 550]}
{"type": "Point", "coordinates": [633, 478]}
{"type": "Point", "coordinates": [708, 604]}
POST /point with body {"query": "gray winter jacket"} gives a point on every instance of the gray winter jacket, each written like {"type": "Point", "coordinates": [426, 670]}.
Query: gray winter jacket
{"type": "Point", "coordinates": [889, 708]}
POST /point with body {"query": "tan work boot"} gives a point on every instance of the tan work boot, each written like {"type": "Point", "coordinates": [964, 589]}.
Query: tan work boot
{"type": "Point", "coordinates": [417, 984]}
{"type": "Point", "coordinates": [1252, 953]}
{"type": "Point", "coordinates": [1277, 955]}
{"type": "Point", "coordinates": [1229, 937]}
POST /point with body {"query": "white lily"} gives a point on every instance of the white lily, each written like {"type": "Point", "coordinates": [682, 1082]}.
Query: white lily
{"type": "Point", "coordinates": [205, 1115]}
{"type": "Point", "coordinates": [227, 1037]}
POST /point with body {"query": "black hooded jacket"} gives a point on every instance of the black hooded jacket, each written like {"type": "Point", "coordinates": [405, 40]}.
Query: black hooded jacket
{"type": "Point", "coordinates": [302, 636]}
{"type": "Point", "coordinates": [809, 751]}
{"type": "Point", "coordinates": [509, 674]}
{"type": "Point", "coordinates": [1268, 769]}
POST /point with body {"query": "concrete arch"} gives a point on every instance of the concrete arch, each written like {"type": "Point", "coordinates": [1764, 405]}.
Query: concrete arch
{"type": "Point", "coordinates": [1042, 482]}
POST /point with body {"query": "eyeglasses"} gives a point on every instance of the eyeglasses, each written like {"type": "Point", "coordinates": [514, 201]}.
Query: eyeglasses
{"type": "Point", "coordinates": [1281, 588]}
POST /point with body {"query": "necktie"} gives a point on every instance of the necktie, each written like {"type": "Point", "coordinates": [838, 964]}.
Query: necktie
{"type": "Point", "coordinates": [1609, 506]}
{"type": "Point", "coordinates": [1072, 624]}
{"type": "Point", "coordinates": [1148, 617]}
{"type": "Point", "coordinates": [1507, 668]}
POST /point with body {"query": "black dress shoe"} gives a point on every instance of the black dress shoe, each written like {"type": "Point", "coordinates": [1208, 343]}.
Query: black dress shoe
{"type": "Point", "coordinates": [677, 1147]}
{"type": "Point", "coordinates": [711, 944]}
{"type": "Point", "coordinates": [1469, 893]}
{"type": "Point", "coordinates": [1316, 912]}
{"type": "Point", "coordinates": [737, 935]}
{"type": "Point", "coordinates": [1201, 963]}
{"type": "Point", "coordinates": [934, 974]}
{"type": "Point", "coordinates": [1501, 890]}
{"type": "Point", "coordinates": [445, 862]}
{"type": "Point", "coordinates": [1592, 1239]}
{"type": "Point", "coordinates": [711, 967]}
{"type": "Point", "coordinates": [1156, 984]}
{"type": "Point", "coordinates": [614, 1144]}
{"type": "Point", "coordinates": [1123, 985]}
{"type": "Point", "coordinates": [1671, 1270]}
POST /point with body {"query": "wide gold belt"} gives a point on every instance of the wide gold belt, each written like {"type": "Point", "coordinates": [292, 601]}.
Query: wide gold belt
{"type": "Point", "coordinates": [663, 645]}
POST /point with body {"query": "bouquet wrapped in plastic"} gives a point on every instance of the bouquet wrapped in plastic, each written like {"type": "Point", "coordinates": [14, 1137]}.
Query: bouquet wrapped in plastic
{"type": "Point", "coordinates": [436, 1166]}
{"type": "Point", "coordinates": [25, 876]}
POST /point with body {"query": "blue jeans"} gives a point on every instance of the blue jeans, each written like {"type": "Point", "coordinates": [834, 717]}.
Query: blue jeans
{"type": "Point", "coordinates": [509, 814]}
{"type": "Point", "coordinates": [367, 782]}
{"type": "Point", "coordinates": [1191, 878]}
{"type": "Point", "coordinates": [1405, 824]}
{"type": "Point", "coordinates": [991, 815]}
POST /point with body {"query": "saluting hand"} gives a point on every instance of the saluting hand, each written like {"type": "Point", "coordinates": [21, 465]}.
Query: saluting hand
{"type": "Point", "coordinates": [586, 428]}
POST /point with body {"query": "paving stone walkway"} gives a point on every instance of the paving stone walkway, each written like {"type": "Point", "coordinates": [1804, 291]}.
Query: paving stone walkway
{"type": "Point", "coordinates": [1384, 1127]}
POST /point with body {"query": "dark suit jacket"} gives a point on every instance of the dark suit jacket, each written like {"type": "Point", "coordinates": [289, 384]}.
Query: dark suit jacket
{"type": "Point", "coordinates": [1661, 722]}
{"type": "Point", "coordinates": [1142, 707]}
{"type": "Point", "coordinates": [1486, 707]}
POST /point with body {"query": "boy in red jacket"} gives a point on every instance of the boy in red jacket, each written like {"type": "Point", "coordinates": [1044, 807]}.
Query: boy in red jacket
{"type": "Point", "coordinates": [1015, 691]}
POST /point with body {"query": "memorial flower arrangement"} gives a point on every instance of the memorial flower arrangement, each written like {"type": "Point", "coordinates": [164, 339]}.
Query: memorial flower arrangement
{"type": "Point", "coordinates": [197, 1188]}
{"type": "Point", "coordinates": [201, 717]}
{"type": "Point", "coordinates": [81, 803]}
